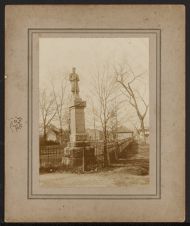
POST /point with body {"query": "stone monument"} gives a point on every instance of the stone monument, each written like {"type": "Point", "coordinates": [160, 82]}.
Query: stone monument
{"type": "Point", "coordinates": [78, 152]}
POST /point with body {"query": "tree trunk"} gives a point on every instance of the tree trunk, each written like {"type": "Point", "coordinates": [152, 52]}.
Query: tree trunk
{"type": "Point", "coordinates": [143, 130]}
{"type": "Point", "coordinates": [45, 135]}
{"type": "Point", "coordinates": [61, 136]}
{"type": "Point", "coordinates": [105, 149]}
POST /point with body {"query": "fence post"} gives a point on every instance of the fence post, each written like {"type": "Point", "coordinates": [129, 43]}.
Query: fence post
{"type": "Point", "coordinates": [83, 167]}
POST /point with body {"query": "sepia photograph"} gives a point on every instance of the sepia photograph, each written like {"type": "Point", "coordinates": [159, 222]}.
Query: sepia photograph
{"type": "Point", "coordinates": [93, 112]}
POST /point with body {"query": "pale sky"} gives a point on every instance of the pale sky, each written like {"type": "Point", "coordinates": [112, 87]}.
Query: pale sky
{"type": "Point", "coordinates": [57, 57]}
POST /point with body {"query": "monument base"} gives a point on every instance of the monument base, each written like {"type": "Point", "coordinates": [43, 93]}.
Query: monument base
{"type": "Point", "coordinates": [79, 155]}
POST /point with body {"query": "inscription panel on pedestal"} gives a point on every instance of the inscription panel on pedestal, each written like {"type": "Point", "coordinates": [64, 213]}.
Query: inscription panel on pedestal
{"type": "Point", "coordinates": [80, 122]}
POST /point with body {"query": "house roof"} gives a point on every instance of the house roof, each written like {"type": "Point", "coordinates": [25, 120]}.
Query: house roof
{"type": "Point", "coordinates": [93, 130]}
{"type": "Point", "coordinates": [145, 129]}
{"type": "Point", "coordinates": [52, 128]}
{"type": "Point", "coordinates": [123, 129]}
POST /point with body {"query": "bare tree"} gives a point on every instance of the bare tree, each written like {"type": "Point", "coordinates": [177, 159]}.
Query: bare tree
{"type": "Point", "coordinates": [60, 99]}
{"type": "Point", "coordinates": [113, 122]}
{"type": "Point", "coordinates": [125, 76]}
{"type": "Point", "coordinates": [93, 115]}
{"type": "Point", "coordinates": [104, 89]}
{"type": "Point", "coordinates": [47, 110]}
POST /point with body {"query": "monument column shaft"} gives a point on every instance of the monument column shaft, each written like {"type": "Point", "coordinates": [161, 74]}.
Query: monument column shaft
{"type": "Point", "coordinates": [77, 124]}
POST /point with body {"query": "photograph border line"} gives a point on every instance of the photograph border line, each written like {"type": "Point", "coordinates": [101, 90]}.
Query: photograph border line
{"type": "Point", "coordinates": [30, 194]}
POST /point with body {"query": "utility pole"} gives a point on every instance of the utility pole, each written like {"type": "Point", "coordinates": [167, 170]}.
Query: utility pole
{"type": "Point", "coordinates": [116, 129]}
{"type": "Point", "coordinates": [95, 134]}
{"type": "Point", "coordinates": [116, 120]}
{"type": "Point", "coordinates": [83, 163]}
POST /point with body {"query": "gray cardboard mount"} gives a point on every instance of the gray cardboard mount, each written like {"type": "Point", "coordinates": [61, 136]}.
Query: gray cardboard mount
{"type": "Point", "coordinates": [168, 21]}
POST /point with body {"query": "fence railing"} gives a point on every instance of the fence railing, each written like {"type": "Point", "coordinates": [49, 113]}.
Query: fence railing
{"type": "Point", "coordinates": [51, 156]}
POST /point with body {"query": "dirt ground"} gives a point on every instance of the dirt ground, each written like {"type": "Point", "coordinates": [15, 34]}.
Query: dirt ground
{"type": "Point", "coordinates": [131, 168]}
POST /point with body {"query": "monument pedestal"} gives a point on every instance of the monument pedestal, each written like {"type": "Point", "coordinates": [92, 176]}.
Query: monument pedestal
{"type": "Point", "coordinates": [79, 157]}
{"type": "Point", "coordinates": [78, 153]}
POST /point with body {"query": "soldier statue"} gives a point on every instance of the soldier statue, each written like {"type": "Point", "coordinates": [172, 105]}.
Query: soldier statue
{"type": "Point", "coordinates": [74, 78]}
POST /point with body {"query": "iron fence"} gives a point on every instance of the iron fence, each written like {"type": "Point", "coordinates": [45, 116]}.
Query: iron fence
{"type": "Point", "coordinates": [51, 157]}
